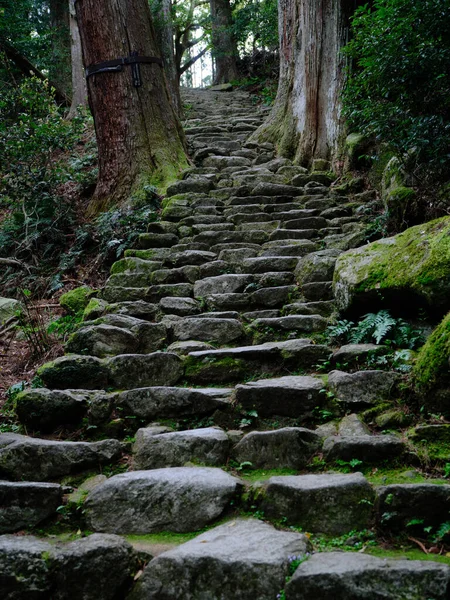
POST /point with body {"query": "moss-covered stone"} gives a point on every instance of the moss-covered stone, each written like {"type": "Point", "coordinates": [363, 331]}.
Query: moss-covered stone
{"type": "Point", "coordinates": [408, 271]}
{"type": "Point", "coordinates": [74, 372]}
{"type": "Point", "coordinates": [76, 300]}
{"type": "Point", "coordinates": [94, 309]}
{"type": "Point", "coordinates": [431, 369]}
{"type": "Point", "coordinates": [215, 371]}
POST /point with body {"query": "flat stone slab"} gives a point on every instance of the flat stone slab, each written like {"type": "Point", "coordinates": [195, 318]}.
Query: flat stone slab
{"type": "Point", "coordinates": [138, 370]}
{"type": "Point", "coordinates": [221, 284]}
{"type": "Point", "coordinates": [363, 387]}
{"type": "Point", "coordinates": [326, 503]}
{"type": "Point", "coordinates": [34, 459]}
{"type": "Point", "coordinates": [222, 331]}
{"type": "Point", "coordinates": [290, 396]}
{"type": "Point", "coordinates": [305, 323]}
{"type": "Point", "coordinates": [398, 504]}
{"type": "Point", "coordinates": [177, 499]}
{"type": "Point", "coordinates": [92, 568]}
{"type": "Point", "coordinates": [289, 447]}
{"type": "Point", "coordinates": [208, 446]}
{"type": "Point", "coordinates": [171, 402]}
{"type": "Point", "coordinates": [25, 504]}
{"type": "Point", "coordinates": [350, 575]}
{"type": "Point", "coordinates": [244, 559]}
{"type": "Point", "coordinates": [42, 410]}
{"type": "Point", "coordinates": [367, 448]}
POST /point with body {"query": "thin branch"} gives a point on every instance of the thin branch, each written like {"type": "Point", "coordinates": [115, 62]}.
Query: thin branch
{"type": "Point", "coordinates": [12, 262]}
{"type": "Point", "coordinates": [194, 59]}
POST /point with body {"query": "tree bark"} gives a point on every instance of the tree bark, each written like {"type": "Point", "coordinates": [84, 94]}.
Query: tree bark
{"type": "Point", "coordinates": [139, 137]}
{"type": "Point", "coordinates": [79, 88]}
{"type": "Point", "coordinates": [60, 70]}
{"type": "Point", "coordinates": [162, 18]}
{"type": "Point", "coordinates": [224, 49]}
{"type": "Point", "coordinates": [306, 120]}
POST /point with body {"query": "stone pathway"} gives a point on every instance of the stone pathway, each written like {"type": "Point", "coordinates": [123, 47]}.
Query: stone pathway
{"type": "Point", "coordinates": [215, 321]}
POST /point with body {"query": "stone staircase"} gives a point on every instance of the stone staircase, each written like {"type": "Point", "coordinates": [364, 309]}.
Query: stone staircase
{"type": "Point", "coordinates": [213, 327]}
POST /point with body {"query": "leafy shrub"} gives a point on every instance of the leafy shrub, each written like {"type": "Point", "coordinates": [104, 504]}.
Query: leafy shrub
{"type": "Point", "coordinates": [376, 328]}
{"type": "Point", "coordinates": [399, 87]}
{"type": "Point", "coordinates": [32, 132]}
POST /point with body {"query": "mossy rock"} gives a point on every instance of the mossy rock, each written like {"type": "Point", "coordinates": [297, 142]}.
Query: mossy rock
{"type": "Point", "coordinates": [431, 370]}
{"type": "Point", "coordinates": [405, 272]}
{"type": "Point", "coordinates": [95, 309]}
{"type": "Point", "coordinates": [76, 300]}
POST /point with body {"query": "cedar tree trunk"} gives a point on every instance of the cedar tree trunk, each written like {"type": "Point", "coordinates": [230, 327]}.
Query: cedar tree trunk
{"type": "Point", "coordinates": [79, 88]}
{"type": "Point", "coordinates": [60, 70]}
{"type": "Point", "coordinates": [306, 120]}
{"type": "Point", "coordinates": [140, 140]}
{"type": "Point", "coordinates": [224, 50]}
{"type": "Point", "coordinates": [162, 18]}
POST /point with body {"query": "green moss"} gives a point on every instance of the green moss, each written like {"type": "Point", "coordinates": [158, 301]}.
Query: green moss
{"type": "Point", "coordinates": [194, 367]}
{"type": "Point", "coordinates": [415, 261]}
{"type": "Point", "coordinates": [144, 254]}
{"type": "Point", "coordinates": [408, 553]}
{"type": "Point", "coordinates": [432, 367]}
{"type": "Point", "coordinates": [76, 300]}
{"type": "Point", "coordinates": [166, 537]}
{"type": "Point", "coordinates": [264, 474]}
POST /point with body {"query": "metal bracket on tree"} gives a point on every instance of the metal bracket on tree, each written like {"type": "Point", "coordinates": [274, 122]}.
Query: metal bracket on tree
{"type": "Point", "coordinates": [116, 65]}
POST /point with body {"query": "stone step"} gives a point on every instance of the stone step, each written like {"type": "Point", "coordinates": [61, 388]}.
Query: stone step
{"type": "Point", "coordinates": [343, 575]}
{"type": "Point", "coordinates": [177, 499]}
{"type": "Point", "coordinates": [232, 364]}
{"type": "Point", "coordinates": [34, 459]}
{"type": "Point", "coordinates": [289, 396]}
{"type": "Point", "coordinates": [369, 449]}
{"type": "Point", "coordinates": [296, 498]}
{"type": "Point", "coordinates": [292, 322]}
{"type": "Point", "coordinates": [221, 331]}
{"type": "Point", "coordinates": [154, 449]}
{"type": "Point", "coordinates": [26, 504]}
{"type": "Point", "coordinates": [244, 558]}
{"type": "Point", "coordinates": [37, 568]}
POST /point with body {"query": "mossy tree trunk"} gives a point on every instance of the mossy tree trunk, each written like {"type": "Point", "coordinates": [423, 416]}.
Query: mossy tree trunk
{"type": "Point", "coordinates": [306, 121]}
{"type": "Point", "coordinates": [140, 139]}
{"type": "Point", "coordinates": [224, 49]}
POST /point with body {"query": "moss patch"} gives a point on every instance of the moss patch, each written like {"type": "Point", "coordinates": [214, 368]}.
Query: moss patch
{"type": "Point", "coordinates": [432, 365]}
{"type": "Point", "coordinates": [414, 264]}
{"type": "Point", "coordinates": [76, 300]}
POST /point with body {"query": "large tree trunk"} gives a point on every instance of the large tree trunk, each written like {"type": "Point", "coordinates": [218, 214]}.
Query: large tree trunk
{"type": "Point", "coordinates": [60, 70]}
{"type": "Point", "coordinates": [162, 18]}
{"type": "Point", "coordinates": [306, 120]}
{"type": "Point", "coordinates": [79, 88]}
{"type": "Point", "coordinates": [139, 137]}
{"type": "Point", "coordinates": [224, 50]}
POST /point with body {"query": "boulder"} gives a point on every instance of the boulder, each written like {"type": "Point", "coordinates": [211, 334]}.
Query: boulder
{"type": "Point", "coordinates": [9, 308]}
{"type": "Point", "coordinates": [290, 396]}
{"type": "Point", "coordinates": [367, 448]}
{"type": "Point", "coordinates": [75, 301]}
{"type": "Point", "coordinates": [399, 504]}
{"type": "Point", "coordinates": [244, 559]}
{"type": "Point", "coordinates": [98, 566]}
{"type": "Point", "coordinates": [222, 331]}
{"type": "Point", "coordinates": [317, 266]}
{"type": "Point", "coordinates": [289, 447]}
{"type": "Point", "coordinates": [43, 409]}
{"type": "Point", "coordinates": [177, 499]}
{"type": "Point", "coordinates": [345, 576]}
{"type": "Point", "coordinates": [26, 504]}
{"type": "Point", "coordinates": [410, 270]}
{"type": "Point", "coordinates": [208, 446]}
{"type": "Point", "coordinates": [139, 370]}
{"type": "Point", "coordinates": [102, 340]}
{"type": "Point", "coordinates": [173, 402]}
{"type": "Point", "coordinates": [34, 459]}
{"type": "Point", "coordinates": [363, 388]}
{"type": "Point", "coordinates": [74, 371]}
{"type": "Point", "coordinates": [345, 501]}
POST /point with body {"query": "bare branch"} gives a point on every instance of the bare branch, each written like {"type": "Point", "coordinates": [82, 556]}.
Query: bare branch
{"type": "Point", "coordinates": [194, 59]}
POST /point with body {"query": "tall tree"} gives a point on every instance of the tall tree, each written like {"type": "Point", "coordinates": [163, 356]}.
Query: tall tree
{"type": "Point", "coordinates": [139, 137]}
{"type": "Point", "coordinates": [162, 18]}
{"type": "Point", "coordinates": [79, 88]}
{"type": "Point", "coordinates": [60, 71]}
{"type": "Point", "coordinates": [224, 49]}
{"type": "Point", "coordinates": [306, 120]}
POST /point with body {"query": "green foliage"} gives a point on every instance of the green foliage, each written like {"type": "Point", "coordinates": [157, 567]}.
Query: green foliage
{"type": "Point", "coordinates": [376, 328]}
{"type": "Point", "coordinates": [256, 20]}
{"type": "Point", "coordinates": [398, 89]}
{"type": "Point", "coordinates": [431, 368]}
{"type": "Point", "coordinates": [32, 131]}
